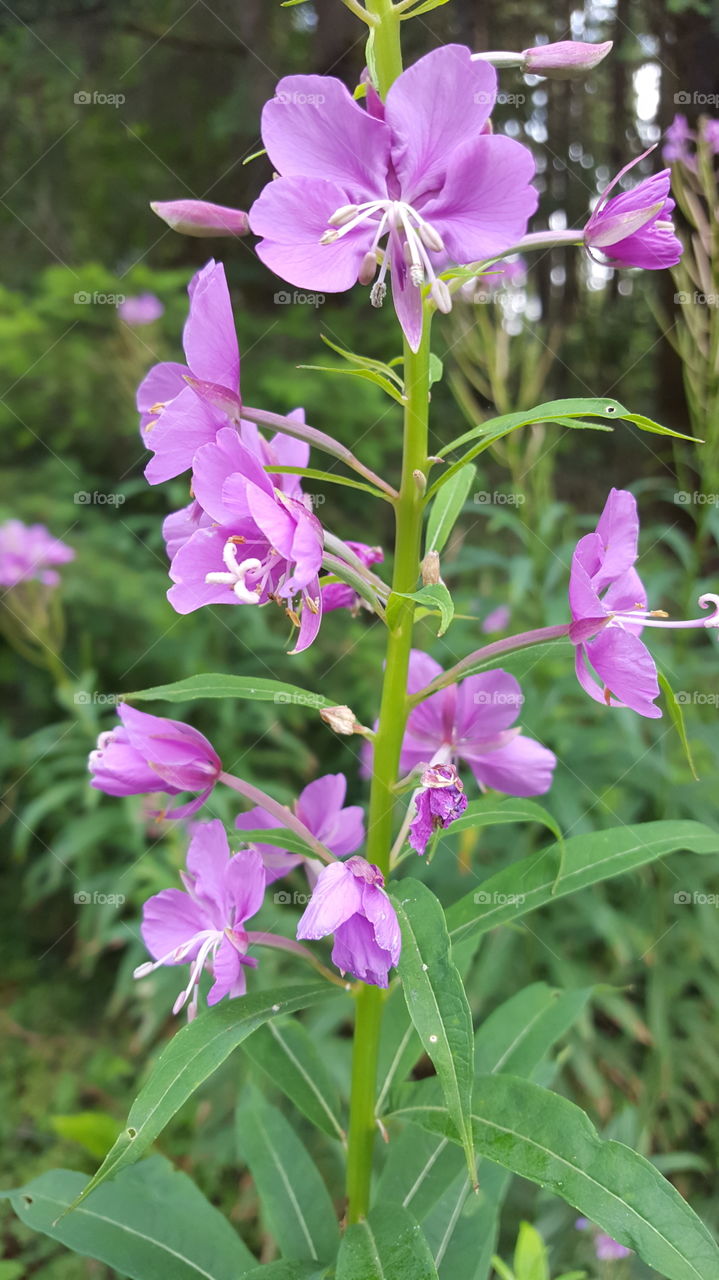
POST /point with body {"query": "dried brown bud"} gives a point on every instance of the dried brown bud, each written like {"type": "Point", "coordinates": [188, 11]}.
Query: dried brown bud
{"type": "Point", "coordinates": [430, 569]}
{"type": "Point", "coordinates": [342, 720]}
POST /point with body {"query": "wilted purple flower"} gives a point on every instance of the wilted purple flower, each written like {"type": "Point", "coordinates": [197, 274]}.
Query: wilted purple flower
{"type": "Point", "coordinates": [440, 801]}
{"type": "Point", "coordinates": [184, 406]}
{"type": "Point", "coordinates": [339, 595]}
{"type": "Point", "coordinates": [635, 229]}
{"type": "Point", "coordinates": [349, 900]}
{"type": "Point", "coordinates": [140, 310]}
{"type": "Point", "coordinates": [27, 551]}
{"type": "Point", "coordinates": [200, 218]}
{"type": "Point", "coordinates": [261, 545]}
{"type": "Point", "coordinates": [679, 140]}
{"type": "Point", "coordinates": [608, 603]}
{"type": "Point", "coordinates": [321, 808]}
{"type": "Point", "coordinates": [419, 170]}
{"type": "Point", "coordinates": [471, 721]}
{"type": "Point", "coordinates": [149, 753]}
{"type": "Point", "coordinates": [564, 59]}
{"type": "Point", "coordinates": [204, 925]}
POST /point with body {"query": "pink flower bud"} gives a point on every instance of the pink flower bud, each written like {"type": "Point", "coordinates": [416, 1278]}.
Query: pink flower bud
{"type": "Point", "coordinates": [564, 60]}
{"type": "Point", "coordinates": [201, 219]}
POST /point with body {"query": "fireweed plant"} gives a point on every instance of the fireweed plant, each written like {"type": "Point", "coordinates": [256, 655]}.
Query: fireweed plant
{"type": "Point", "coordinates": [403, 191]}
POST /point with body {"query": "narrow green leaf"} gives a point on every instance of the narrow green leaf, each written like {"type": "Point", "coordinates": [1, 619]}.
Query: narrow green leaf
{"type": "Point", "coordinates": [287, 1054]}
{"type": "Point", "coordinates": [532, 882]}
{"type": "Point", "coordinates": [278, 837]}
{"type": "Point", "coordinates": [437, 1001]}
{"type": "Point", "coordinates": [364, 362]}
{"type": "Point", "coordinates": [327, 477]}
{"type": "Point", "coordinates": [295, 1201]}
{"type": "Point", "coordinates": [388, 1245]}
{"type": "Point", "coordinates": [285, 1269]}
{"type": "Point", "coordinates": [446, 508]}
{"type": "Point", "coordinates": [674, 705]}
{"type": "Point", "coordinates": [518, 1035]}
{"type": "Point", "coordinates": [425, 6]}
{"type": "Point", "coordinates": [218, 685]}
{"type": "Point", "coordinates": [369, 375]}
{"type": "Point", "coordinates": [153, 1223]}
{"type": "Point", "coordinates": [491, 812]}
{"type": "Point", "coordinates": [655, 428]}
{"type": "Point", "coordinates": [548, 412]}
{"type": "Point", "coordinates": [435, 598]}
{"type": "Point", "coordinates": [530, 1261]}
{"type": "Point", "coordinates": [540, 1136]}
{"type": "Point", "coordinates": [436, 368]}
{"type": "Point", "coordinates": [190, 1057]}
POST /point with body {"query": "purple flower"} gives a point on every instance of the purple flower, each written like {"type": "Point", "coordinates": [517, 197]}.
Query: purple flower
{"type": "Point", "coordinates": [184, 406]}
{"type": "Point", "coordinates": [679, 140]}
{"type": "Point", "coordinates": [339, 595]}
{"type": "Point", "coordinates": [497, 619]}
{"type": "Point", "coordinates": [471, 721]}
{"type": "Point", "coordinates": [200, 218]}
{"type": "Point", "coordinates": [606, 1248]}
{"type": "Point", "coordinates": [261, 544]}
{"type": "Point", "coordinates": [27, 551]}
{"type": "Point", "coordinates": [420, 170]}
{"type": "Point", "coordinates": [141, 310]}
{"type": "Point", "coordinates": [204, 925]}
{"type": "Point", "coordinates": [564, 59]}
{"type": "Point", "coordinates": [635, 229]}
{"type": "Point", "coordinates": [321, 808]}
{"type": "Point", "coordinates": [440, 801]}
{"type": "Point", "coordinates": [148, 753]}
{"type": "Point", "coordinates": [349, 901]}
{"type": "Point", "coordinates": [609, 608]}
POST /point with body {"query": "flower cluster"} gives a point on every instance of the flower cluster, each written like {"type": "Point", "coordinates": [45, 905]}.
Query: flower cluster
{"type": "Point", "coordinates": [29, 552]}
{"type": "Point", "coordinates": [249, 535]}
{"type": "Point", "coordinates": [681, 141]}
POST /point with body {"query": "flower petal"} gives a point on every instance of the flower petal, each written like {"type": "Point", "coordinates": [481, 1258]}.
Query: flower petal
{"type": "Point", "coordinates": [186, 424]}
{"type": "Point", "coordinates": [245, 884]}
{"type": "Point", "coordinates": [627, 668]}
{"type": "Point", "coordinates": [207, 858]}
{"type": "Point", "coordinates": [435, 106]}
{"type": "Point", "coordinates": [169, 919]}
{"type": "Point", "coordinates": [522, 768]}
{"type": "Point", "coordinates": [209, 338]}
{"type": "Point", "coordinates": [337, 896]}
{"type": "Point", "coordinates": [486, 200]}
{"type": "Point", "coordinates": [356, 951]}
{"type": "Point", "coordinates": [229, 973]}
{"type": "Point", "coordinates": [314, 126]}
{"type": "Point", "coordinates": [200, 555]}
{"type": "Point", "coordinates": [618, 530]}
{"type": "Point", "coordinates": [486, 704]}
{"type": "Point", "coordinates": [293, 214]}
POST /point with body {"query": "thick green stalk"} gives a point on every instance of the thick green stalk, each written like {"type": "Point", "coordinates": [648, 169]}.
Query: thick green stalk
{"type": "Point", "coordinates": [387, 746]}
{"type": "Point", "coordinates": [386, 45]}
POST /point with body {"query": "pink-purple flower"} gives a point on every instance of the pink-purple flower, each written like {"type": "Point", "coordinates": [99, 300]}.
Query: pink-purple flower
{"type": "Point", "coordinates": [184, 406]}
{"type": "Point", "coordinates": [144, 308]}
{"type": "Point", "coordinates": [679, 142]}
{"type": "Point", "coordinates": [606, 1248]}
{"type": "Point", "coordinates": [608, 604]}
{"type": "Point", "coordinates": [349, 901]}
{"type": "Point", "coordinates": [440, 800]}
{"type": "Point", "coordinates": [416, 183]}
{"type": "Point", "coordinates": [321, 807]}
{"type": "Point", "coordinates": [260, 543]}
{"type": "Point", "coordinates": [145, 754]}
{"type": "Point", "coordinates": [473, 722]}
{"type": "Point", "coordinates": [635, 228]}
{"type": "Point", "coordinates": [28, 552]}
{"type": "Point", "coordinates": [204, 924]}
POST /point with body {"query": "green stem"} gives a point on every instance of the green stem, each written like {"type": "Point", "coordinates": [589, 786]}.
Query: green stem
{"type": "Point", "coordinates": [386, 44]}
{"type": "Point", "coordinates": [387, 747]}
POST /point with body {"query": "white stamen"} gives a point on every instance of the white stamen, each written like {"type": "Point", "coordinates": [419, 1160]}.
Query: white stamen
{"type": "Point", "coordinates": [405, 223]}
{"type": "Point", "coordinates": [236, 574]}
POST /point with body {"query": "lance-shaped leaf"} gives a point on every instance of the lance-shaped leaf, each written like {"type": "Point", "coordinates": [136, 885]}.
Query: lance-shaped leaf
{"type": "Point", "coordinates": [434, 599]}
{"type": "Point", "coordinates": [288, 1055]}
{"type": "Point", "coordinates": [437, 1001]}
{"type": "Point", "coordinates": [446, 508]}
{"type": "Point", "coordinates": [388, 1245]}
{"type": "Point", "coordinates": [547, 1139]}
{"type": "Point", "coordinates": [674, 704]}
{"type": "Point", "coordinates": [295, 1201]}
{"type": "Point", "coordinates": [191, 1056]}
{"type": "Point", "coordinates": [217, 685]}
{"type": "Point", "coordinates": [533, 881]}
{"type": "Point", "coordinates": [152, 1224]}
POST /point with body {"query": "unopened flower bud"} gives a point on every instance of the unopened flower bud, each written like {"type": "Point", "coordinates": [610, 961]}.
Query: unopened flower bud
{"type": "Point", "coordinates": [420, 480]}
{"type": "Point", "coordinates": [430, 569]}
{"type": "Point", "coordinates": [343, 720]}
{"type": "Point", "coordinates": [565, 59]}
{"type": "Point", "coordinates": [200, 218]}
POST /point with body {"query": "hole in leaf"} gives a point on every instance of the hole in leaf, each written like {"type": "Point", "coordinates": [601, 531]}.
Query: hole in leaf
{"type": "Point", "coordinates": [132, 1133]}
